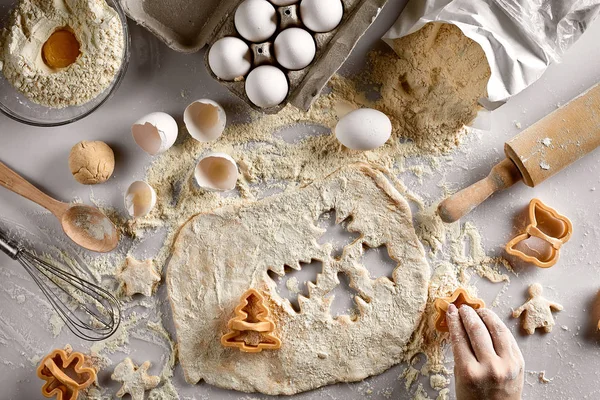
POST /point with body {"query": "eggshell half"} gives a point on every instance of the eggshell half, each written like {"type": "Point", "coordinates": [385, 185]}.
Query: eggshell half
{"type": "Point", "coordinates": [205, 120]}
{"type": "Point", "coordinates": [216, 172]}
{"type": "Point", "coordinates": [140, 199]}
{"type": "Point", "coordinates": [364, 129]}
{"type": "Point", "coordinates": [155, 133]}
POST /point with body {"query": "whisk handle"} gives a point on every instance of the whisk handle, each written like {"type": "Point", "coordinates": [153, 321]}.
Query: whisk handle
{"type": "Point", "coordinates": [8, 247]}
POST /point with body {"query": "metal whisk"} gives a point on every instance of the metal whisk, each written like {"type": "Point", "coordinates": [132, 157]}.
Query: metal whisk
{"type": "Point", "coordinates": [89, 311]}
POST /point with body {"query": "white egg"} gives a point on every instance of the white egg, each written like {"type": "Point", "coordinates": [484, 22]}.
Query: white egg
{"type": "Point", "coordinates": [155, 133]}
{"type": "Point", "coordinates": [256, 20]}
{"type": "Point", "coordinates": [230, 58]}
{"type": "Point", "coordinates": [364, 129]}
{"type": "Point", "coordinates": [205, 120]}
{"type": "Point", "coordinates": [321, 15]}
{"type": "Point", "coordinates": [140, 199]}
{"type": "Point", "coordinates": [267, 86]}
{"type": "Point", "coordinates": [216, 172]}
{"type": "Point", "coordinates": [281, 3]}
{"type": "Point", "coordinates": [295, 49]}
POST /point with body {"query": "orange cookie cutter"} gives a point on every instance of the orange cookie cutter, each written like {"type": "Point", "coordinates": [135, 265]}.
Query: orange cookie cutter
{"type": "Point", "coordinates": [458, 298]}
{"type": "Point", "coordinates": [252, 319]}
{"type": "Point", "coordinates": [55, 368]}
{"type": "Point", "coordinates": [547, 224]}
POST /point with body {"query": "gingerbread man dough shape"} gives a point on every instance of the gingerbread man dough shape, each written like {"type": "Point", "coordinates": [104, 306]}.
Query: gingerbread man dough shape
{"type": "Point", "coordinates": [538, 311]}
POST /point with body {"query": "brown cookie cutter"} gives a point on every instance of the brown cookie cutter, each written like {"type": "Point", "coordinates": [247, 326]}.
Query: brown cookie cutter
{"type": "Point", "coordinates": [251, 330]}
{"type": "Point", "coordinates": [547, 224]}
{"type": "Point", "coordinates": [458, 298]}
{"type": "Point", "coordinates": [65, 374]}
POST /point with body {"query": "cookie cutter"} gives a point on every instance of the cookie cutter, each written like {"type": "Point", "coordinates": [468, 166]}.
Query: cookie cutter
{"type": "Point", "coordinates": [547, 224]}
{"type": "Point", "coordinates": [252, 317]}
{"type": "Point", "coordinates": [458, 298]}
{"type": "Point", "coordinates": [54, 370]}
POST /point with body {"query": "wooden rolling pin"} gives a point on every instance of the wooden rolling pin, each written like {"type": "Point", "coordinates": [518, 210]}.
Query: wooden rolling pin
{"type": "Point", "coordinates": [536, 154]}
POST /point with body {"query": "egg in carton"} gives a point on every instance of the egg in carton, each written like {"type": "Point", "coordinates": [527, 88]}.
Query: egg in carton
{"type": "Point", "coordinates": [187, 26]}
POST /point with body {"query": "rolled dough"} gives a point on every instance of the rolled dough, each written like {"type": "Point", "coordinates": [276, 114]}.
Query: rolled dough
{"type": "Point", "coordinates": [218, 256]}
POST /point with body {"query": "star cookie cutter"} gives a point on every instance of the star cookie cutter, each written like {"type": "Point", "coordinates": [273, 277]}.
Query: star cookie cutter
{"type": "Point", "coordinates": [547, 224]}
{"type": "Point", "coordinates": [251, 330]}
{"type": "Point", "coordinates": [65, 374]}
{"type": "Point", "coordinates": [458, 298]}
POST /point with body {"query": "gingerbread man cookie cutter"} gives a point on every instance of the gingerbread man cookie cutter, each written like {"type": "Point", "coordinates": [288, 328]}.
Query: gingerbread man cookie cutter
{"type": "Point", "coordinates": [547, 224]}
{"type": "Point", "coordinates": [65, 374]}
{"type": "Point", "coordinates": [251, 330]}
{"type": "Point", "coordinates": [458, 298]}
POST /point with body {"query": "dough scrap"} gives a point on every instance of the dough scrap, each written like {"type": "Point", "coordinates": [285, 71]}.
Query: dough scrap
{"type": "Point", "coordinates": [538, 311]}
{"type": "Point", "coordinates": [139, 277]}
{"type": "Point", "coordinates": [219, 255]}
{"type": "Point", "coordinates": [135, 379]}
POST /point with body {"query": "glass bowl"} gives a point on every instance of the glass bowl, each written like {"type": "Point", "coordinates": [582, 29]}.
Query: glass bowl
{"type": "Point", "coordinates": [18, 107]}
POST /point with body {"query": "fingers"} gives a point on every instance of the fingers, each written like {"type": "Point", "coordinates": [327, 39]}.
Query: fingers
{"type": "Point", "coordinates": [502, 339]}
{"type": "Point", "coordinates": [463, 355]}
{"type": "Point", "coordinates": [481, 342]}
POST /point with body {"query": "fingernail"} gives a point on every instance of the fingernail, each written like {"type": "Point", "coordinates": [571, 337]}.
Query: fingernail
{"type": "Point", "coordinates": [452, 310]}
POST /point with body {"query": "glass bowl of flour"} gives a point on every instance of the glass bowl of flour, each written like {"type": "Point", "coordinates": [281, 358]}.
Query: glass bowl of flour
{"type": "Point", "coordinates": [60, 60]}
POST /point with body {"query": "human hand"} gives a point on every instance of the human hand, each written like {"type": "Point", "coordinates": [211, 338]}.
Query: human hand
{"type": "Point", "coordinates": [488, 363]}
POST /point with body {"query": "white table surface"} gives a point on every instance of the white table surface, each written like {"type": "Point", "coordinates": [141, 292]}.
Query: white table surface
{"type": "Point", "coordinates": [155, 80]}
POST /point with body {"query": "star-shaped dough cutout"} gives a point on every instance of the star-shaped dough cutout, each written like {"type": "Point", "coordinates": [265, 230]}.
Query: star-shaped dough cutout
{"type": "Point", "coordinates": [135, 379]}
{"type": "Point", "coordinates": [139, 277]}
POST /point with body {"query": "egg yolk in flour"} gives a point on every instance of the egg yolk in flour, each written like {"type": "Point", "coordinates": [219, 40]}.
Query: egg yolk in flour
{"type": "Point", "coordinates": [61, 49]}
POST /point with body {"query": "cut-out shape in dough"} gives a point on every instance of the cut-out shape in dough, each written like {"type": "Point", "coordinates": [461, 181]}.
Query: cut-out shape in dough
{"type": "Point", "coordinates": [547, 224]}
{"type": "Point", "coordinates": [251, 330]}
{"type": "Point", "coordinates": [135, 380]}
{"type": "Point", "coordinates": [218, 255]}
{"type": "Point", "coordinates": [538, 311]}
{"type": "Point", "coordinates": [139, 277]}
{"type": "Point", "coordinates": [458, 298]}
{"type": "Point", "coordinates": [65, 374]}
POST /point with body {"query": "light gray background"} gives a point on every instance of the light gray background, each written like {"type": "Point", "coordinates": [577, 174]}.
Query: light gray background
{"type": "Point", "coordinates": [160, 79]}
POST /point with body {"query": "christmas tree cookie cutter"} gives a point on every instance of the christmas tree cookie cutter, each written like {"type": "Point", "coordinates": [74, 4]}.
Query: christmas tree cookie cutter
{"type": "Point", "coordinates": [65, 374]}
{"type": "Point", "coordinates": [458, 298]}
{"type": "Point", "coordinates": [251, 330]}
{"type": "Point", "coordinates": [547, 224]}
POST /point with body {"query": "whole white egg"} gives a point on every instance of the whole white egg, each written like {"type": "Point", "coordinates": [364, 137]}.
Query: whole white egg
{"type": "Point", "coordinates": [280, 3]}
{"type": "Point", "coordinates": [256, 20]}
{"type": "Point", "coordinates": [295, 49]}
{"type": "Point", "coordinates": [321, 15]}
{"type": "Point", "coordinates": [267, 86]}
{"type": "Point", "coordinates": [364, 129]}
{"type": "Point", "coordinates": [230, 58]}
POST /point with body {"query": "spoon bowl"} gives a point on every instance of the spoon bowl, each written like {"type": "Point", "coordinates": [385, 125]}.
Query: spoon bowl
{"type": "Point", "coordinates": [90, 228]}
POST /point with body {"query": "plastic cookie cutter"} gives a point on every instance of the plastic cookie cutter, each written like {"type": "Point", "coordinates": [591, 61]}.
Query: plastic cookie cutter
{"type": "Point", "coordinates": [251, 330]}
{"type": "Point", "coordinates": [458, 298]}
{"type": "Point", "coordinates": [65, 374]}
{"type": "Point", "coordinates": [547, 224]}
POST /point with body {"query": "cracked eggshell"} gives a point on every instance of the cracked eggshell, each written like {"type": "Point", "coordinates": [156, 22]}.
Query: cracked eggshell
{"type": "Point", "coordinates": [140, 199]}
{"type": "Point", "coordinates": [155, 133]}
{"type": "Point", "coordinates": [216, 172]}
{"type": "Point", "coordinates": [364, 129]}
{"type": "Point", "coordinates": [256, 20]}
{"type": "Point", "coordinates": [205, 120]}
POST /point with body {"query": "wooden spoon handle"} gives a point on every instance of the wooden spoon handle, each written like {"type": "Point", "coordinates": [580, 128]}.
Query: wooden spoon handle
{"type": "Point", "coordinates": [502, 176]}
{"type": "Point", "coordinates": [15, 183]}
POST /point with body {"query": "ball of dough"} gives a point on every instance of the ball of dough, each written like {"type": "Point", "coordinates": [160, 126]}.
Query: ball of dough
{"type": "Point", "coordinates": [91, 162]}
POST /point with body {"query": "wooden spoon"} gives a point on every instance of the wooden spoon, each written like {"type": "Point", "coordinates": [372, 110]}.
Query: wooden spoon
{"type": "Point", "coordinates": [85, 225]}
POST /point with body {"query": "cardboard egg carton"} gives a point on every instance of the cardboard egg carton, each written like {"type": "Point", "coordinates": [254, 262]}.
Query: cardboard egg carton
{"type": "Point", "coordinates": [188, 26]}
